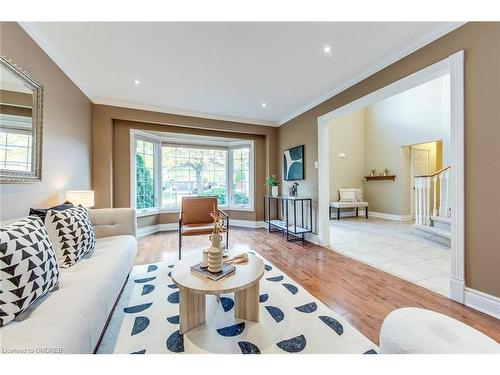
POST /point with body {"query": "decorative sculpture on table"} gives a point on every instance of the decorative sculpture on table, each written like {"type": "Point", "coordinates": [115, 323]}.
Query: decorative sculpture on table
{"type": "Point", "coordinates": [293, 189]}
{"type": "Point", "coordinates": [215, 252]}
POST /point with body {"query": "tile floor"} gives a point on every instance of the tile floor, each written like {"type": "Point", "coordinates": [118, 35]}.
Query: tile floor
{"type": "Point", "coordinates": [392, 247]}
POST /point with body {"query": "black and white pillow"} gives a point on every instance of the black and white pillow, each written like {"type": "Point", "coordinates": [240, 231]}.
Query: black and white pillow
{"type": "Point", "coordinates": [72, 234]}
{"type": "Point", "coordinates": [28, 266]}
{"type": "Point", "coordinates": [42, 212]}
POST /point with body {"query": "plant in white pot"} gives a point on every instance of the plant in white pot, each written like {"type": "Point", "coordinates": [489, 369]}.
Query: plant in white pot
{"type": "Point", "coordinates": [273, 182]}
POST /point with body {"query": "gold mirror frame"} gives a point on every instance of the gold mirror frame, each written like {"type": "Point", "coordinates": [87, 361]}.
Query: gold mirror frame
{"type": "Point", "coordinates": [35, 175]}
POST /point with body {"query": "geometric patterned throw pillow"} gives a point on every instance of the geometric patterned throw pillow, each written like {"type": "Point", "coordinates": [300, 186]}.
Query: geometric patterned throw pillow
{"type": "Point", "coordinates": [71, 233]}
{"type": "Point", "coordinates": [28, 266]}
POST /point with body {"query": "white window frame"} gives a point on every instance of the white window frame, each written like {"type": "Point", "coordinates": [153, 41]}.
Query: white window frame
{"type": "Point", "coordinates": [230, 171]}
{"type": "Point", "coordinates": [29, 148]}
{"type": "Point", "coordinates": [134, 136]}
{"type": "Point", "coordinates": [159, 142]}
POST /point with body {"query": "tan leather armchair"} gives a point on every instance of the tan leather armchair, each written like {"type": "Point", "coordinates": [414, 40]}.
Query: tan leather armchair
{"type": "Point", "coordinates": [195, 219]}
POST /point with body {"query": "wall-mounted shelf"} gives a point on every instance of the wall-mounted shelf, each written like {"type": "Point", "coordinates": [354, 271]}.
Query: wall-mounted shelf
{"type": "Point", "coordinates": [380, 178]}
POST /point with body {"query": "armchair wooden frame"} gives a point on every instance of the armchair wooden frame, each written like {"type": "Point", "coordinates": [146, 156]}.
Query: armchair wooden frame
{"type": "Point", "coordinates": [195, 219]}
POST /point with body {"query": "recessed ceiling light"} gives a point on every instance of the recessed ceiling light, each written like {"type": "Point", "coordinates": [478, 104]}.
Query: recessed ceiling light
{"type": "Point", "coordinates": [327, 49]}
{"type": "Point", "coordinates": [137, 82]}
{"type": "Point", "coordinates": [264, 104]}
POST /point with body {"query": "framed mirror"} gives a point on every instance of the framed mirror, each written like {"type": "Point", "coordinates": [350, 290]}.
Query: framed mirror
{"type": "Point", "coordinates": [21, 103]}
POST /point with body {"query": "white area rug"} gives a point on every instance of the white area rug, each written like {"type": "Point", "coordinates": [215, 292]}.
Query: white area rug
{"type": "Point", "coordinates": [291, 320]}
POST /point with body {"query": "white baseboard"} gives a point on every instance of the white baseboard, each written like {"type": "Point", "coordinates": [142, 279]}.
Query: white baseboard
{"type": "Point", "coordinates": [169, 227]}
{"type": "Point", "coordinates": [382, 215]}
{"type": "Point", "coordinates": [483, 302]}
{"type": "Point", "coordinates": [361, 213]}
{"type": "Point", "coordinates": [313, 238]}
{"type": "Point", "coordinates": [247, 223]}
{"type": "Point", "coordinates": [148, 230]}
{"type": "Point", "coordinates": [346, 213]}
{"type": "Point", "coordinates": [175, 226]}
{"type": "Point", "coordinates": [309, 237]}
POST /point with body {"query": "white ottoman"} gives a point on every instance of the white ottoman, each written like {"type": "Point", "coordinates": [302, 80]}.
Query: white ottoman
{"type": "Point", "coordinates": [417, 331]}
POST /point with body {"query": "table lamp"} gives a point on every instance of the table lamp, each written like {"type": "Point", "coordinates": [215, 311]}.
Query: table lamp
{"type": "Point", "coordinates": [83, 197]}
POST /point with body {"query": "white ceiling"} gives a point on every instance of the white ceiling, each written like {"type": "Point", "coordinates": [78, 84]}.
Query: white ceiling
{"type": "Point", "coordinates": [226, 70]}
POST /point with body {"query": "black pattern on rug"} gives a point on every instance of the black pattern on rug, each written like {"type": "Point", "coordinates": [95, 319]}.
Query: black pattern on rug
{"type": "Point", "coordinates": [146, 320]}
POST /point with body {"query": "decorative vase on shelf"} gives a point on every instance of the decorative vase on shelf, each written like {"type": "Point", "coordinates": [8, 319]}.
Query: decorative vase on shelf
{"type": "Point", "coordinates": [215, 254]}
{"type": "Point", "coordinates": [274, 191]}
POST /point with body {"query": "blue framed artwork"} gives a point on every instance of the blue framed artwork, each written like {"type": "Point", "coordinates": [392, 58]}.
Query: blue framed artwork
{"type": "Point", "coordinates": [293, 163]}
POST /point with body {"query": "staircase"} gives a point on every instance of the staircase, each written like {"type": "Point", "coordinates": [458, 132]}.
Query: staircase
{"type": "Point", "coordinates": [432, 210]}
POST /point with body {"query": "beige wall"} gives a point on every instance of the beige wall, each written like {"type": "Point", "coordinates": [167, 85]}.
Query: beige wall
{"type": "Point", "coordinates": [377, 137]}
{"type": "Point", "coordinates": [480, 42]}
{"type": "Point", "coordinates": [67, 127]}
{"type": "Point", "coordinates": [420, 114]}
{"type": "Point", "coordinates": [121, 169]}
{"type": "Point", "coordinates": [347, 135]}
{"type": "Point", "coordinates": [103, 120]}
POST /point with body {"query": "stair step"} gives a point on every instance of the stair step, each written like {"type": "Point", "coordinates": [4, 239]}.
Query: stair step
{"type": "Point", "coordinates": [433, 230]}
{"type": "Point", "coordinates": [432, 233]}
{"type": "Point", "coordinates": [441, 219]}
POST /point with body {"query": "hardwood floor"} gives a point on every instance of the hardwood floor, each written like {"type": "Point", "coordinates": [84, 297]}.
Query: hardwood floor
{"type": "Point", "coordinates": [363, 295]}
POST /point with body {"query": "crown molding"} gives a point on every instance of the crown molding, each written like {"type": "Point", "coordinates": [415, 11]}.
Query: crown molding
{"type": "Point", "coordinates": [391, 59]}
{"type": "Point", "coordinates": [31, 29]}
{"type": "Point", "coordinates": [173, 111]}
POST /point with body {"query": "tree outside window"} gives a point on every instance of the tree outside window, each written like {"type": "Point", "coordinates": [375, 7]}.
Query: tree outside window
{"type": "Point", "coordinates": [191, 170]}
{"type": "Point", "coordinates": [145, 186]}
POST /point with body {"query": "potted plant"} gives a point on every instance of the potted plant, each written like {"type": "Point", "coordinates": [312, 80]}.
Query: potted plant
{"type": "Point", "coordinates": [273, 182]}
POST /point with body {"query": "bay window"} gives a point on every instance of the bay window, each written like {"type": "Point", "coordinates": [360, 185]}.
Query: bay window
{"type": "Point", "coordinates": [190, 170]}
{"type": "Point", "coordinates": [167, 169]}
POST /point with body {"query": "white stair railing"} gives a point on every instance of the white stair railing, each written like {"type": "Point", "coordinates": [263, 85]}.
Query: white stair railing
{"type": "Point", "coordinates": [432, 196]}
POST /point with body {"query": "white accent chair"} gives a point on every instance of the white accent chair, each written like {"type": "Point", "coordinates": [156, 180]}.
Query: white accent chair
{"type": "Point", "coordinates": [349, 198]}
{"type": "Point", "coordinates": [412, 330]}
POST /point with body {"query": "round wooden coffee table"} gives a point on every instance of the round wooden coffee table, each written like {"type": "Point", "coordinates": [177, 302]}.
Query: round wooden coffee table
{"type": "Point", "coordinates": [193, 287]}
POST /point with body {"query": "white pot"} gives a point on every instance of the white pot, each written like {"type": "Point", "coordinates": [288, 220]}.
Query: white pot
{"type": "Point", "coordinates": [274, 191]}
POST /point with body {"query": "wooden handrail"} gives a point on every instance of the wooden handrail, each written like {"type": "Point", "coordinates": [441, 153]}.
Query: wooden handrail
{"type": "Point", "coordinates": [435, 173]}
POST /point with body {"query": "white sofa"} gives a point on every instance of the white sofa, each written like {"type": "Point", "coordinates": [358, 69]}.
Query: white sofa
{"type": "Point", "coordinates": [72, 318]}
